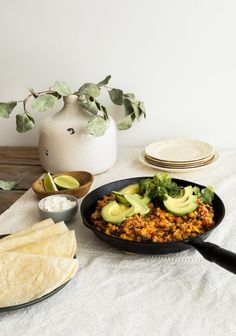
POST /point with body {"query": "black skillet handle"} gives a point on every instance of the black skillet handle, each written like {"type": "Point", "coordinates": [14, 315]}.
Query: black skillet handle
{"type": "Point", "coordinates": [216, 254]}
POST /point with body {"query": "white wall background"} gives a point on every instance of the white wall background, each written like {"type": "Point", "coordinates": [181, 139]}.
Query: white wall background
{"type": "Point", "coordinates": [178, 56]}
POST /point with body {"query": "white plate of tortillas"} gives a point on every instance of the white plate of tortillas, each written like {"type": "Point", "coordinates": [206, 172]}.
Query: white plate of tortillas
{"type": "Point", "coordinates": [35, 263]}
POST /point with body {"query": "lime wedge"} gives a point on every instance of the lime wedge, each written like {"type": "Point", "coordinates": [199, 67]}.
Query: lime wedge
{"type": "Point", "coordinates": [66, 182]}
{"type": "Point", "coordinates": [48, 183]}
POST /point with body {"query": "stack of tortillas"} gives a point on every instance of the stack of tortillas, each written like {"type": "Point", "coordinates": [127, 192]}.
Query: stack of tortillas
{"type": "Point", "coordinates": [35, 261]}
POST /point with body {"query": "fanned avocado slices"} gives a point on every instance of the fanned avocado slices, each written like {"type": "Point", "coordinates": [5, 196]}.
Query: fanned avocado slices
{"type": "Point", "coordinates": [127, 204]}
{"type": "Point", "coordinates": [183, 205]}
{"type": "Point", "coordinates": [128, 190]}
{"type": "Point", "coordinates": [116, 213]}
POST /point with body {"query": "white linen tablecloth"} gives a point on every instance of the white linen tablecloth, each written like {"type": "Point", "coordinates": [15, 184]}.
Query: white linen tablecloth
{"type": "Point", "coordinates": [117, 294]}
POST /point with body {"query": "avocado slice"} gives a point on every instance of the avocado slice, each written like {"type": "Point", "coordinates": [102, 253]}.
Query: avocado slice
{"type": "Point", "coordinates": [130, 203]}
{"type": "Point", "coordinates": [128, 190]}
{"type": "Point", "coordinates": [145, 199]}
{"type": "Point", "coordinates": [116, 213]}
{"type": "Point", "coordinates": [181, 211]}
{"type": "Point", "coordinates": [187, 192]}
{"type": "Point", "coordinates": [120, 198]}
{"type": "Point", "coordinates": [179, 208]}
{"type": "Point", "coordinates": [191, 199]}
{"type": "Point", "coordinates": [139, 204]}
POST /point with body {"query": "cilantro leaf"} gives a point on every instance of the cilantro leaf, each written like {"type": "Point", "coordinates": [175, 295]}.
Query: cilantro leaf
{"type": "Point", "coordinates": [206, 194]}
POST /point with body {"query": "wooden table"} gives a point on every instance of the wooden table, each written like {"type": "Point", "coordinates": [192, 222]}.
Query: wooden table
{"type": "Point", "coordinates": [18, 164]}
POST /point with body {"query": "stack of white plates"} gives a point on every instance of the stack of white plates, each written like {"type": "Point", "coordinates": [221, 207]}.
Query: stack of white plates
{"type": "Point", "coordinates": [178, 155]}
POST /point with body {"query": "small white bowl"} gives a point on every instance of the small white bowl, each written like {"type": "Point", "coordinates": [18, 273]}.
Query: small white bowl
{"type": "Point", "coordinates": [62, 215]}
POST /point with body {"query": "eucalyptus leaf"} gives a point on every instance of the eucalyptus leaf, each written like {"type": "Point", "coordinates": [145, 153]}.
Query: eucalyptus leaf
{"type": "Point", "coordinates": [7, 185]}
{"type": "Point", "coordinates": [129, 95]}
{"type": "Point", "coordinates": [104, 81]}
{"type": "Point", "coordinates": [24, 122]}
{"type": "Point", "coordinates": [90, 106]}
{"type": "Point", "coordinates": [129, 110]}
{"type": "Point", "coordinates": [137, 111]}
{"type": "Point", "coordinates": [6, 108]}
{"type": "Point", "coordinates": [97, 126]}
{"type": "Point", "coordinates": [141, 113]}
{"type": "Point", "coordinates": [125, 124]}
{"type": "Point", "coordinates": [142, 107]}
{"type": "Point", "coordinates": [62, 88]}
{"type": "Point", "coordinates": [116, 96]}
{"type": "Point", "coordinates": [89, 89]}
{"type": "Point", "coordinates": [31, 90]}
{"type": "Point", "coordinates": [44, 102]}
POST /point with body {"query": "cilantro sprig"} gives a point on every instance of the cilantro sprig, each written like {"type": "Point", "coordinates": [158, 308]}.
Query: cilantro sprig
{"type": "Point", "coordinates": [206, 194]}
{"type": "Point", "coordinates": [160, 186]}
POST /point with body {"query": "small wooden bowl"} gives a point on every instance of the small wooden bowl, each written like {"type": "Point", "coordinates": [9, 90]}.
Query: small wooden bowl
{"type": "Point", "coordinates": [85, 179]}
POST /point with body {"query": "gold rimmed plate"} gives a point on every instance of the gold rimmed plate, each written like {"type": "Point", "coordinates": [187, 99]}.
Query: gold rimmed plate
{"type": "Point", "coordinates": [179, 150]}
{"type": "Point", "coordinates": [174, 169]}
{"type": "Point", "coordinates": [179, 165]}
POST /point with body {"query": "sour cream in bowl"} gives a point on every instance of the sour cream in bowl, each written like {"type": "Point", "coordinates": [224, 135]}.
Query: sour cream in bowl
{"type": "Point", "coordinates": [58, 207]}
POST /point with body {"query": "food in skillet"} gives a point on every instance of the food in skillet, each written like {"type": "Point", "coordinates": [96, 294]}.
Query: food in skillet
{"type": "Point", "coordinates": [156, 210]}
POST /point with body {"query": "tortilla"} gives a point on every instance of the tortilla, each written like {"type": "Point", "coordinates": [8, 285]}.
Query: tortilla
{"type": "Point", "coordinates": [35, 227]}
{"type": "Point", "coordinates": [35, 261]}
{"type": "Point", "coordinates": [21, 240]}
{"type": "Point", "coordinates": [60, 245]}
{"type": "Point", "coordinates": [25, 277]}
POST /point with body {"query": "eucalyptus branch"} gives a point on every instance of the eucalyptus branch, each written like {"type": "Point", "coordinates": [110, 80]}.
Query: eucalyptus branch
{"type": "Point", "coordinates": [87, 94]}
{"type": "Point", "coordinates": [105, 112]}
{"type": "Point", "coordinates": [107, 87]}
{"type": "Point", "coordinates": [35, 95]}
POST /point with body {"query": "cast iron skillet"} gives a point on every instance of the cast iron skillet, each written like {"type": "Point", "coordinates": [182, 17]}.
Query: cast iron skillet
{"type": "Point", "coordinates": [210, 251]}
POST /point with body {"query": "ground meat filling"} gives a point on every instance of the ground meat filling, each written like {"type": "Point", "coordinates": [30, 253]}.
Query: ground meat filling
{"type": "Point", "coordinates": [159, 225]}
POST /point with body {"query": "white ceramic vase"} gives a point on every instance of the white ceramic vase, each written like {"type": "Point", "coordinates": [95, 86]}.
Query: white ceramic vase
{"type": "Point", "coordinates": [66, 145]}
